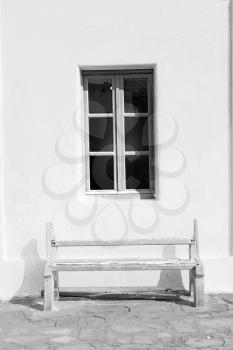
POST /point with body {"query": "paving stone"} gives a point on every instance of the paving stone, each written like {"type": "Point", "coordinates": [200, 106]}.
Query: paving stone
{"type": "Point", "coordinates": [222, 323]}
{"type": "Point", "coordinates": [131, 327]}
{"type": "Point", "coordinates": [146, 339]}
{"type": "Point", "coordinates": [62, 340]}
{"type": "Point", "coordinates": [204, 343]}
{"type": "Point", "coordinates": [117, 338]}
{"type": "Point", "coordinates": [134, 347]}
{"type": "Point", "coordinates": [18, 331]}
{"type": "Point", "coordinates": [22, 340]}
{"type": "Point", "coordinates": [41, 347]}
{"type": "Point", "coordinates": [74, 346]}
{"type": "Point", "coordinates": [183, 327]}
{"type": "Point", "coordinates": [58, 331]}
{"type": "Point", "coordinates": [11, 347]}
{"type": "Point", "coordinates": [135, 324]}
{"type": "Point", "coordinates": [117, 325]}
{"type": "Point", "coordinates": [92, 328]}
{"type": "Point", "coordinates": [104, 347]}
{"type": "Point", "coordinates": [67, 321]}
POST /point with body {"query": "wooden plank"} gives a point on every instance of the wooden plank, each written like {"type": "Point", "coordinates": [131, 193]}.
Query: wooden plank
{"type": "Point", "coordinates": [48, 288]}
{"type": "Point", "coordinates": [199, 285]}
{"type": "Point", "coordinates": [168, 241]}
{"type": "Point", "coordinates": [155, 295]}
{"type": "Point", "coordinates": [122, 264]}
{"type": "Point", "coordinates": [51, 250]}
{"type": "Point", "coordinates": [73, 291]}
{"type": "Point", "coordinates": [195, 238]}
{"type": "Point", "coordinates": [49, 228]}
{"type": "Point", "coordinates": [56, 285]}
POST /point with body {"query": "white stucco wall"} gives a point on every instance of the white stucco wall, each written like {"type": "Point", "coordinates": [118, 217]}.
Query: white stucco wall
{"type": "Point", "coordinates": [44, 42]}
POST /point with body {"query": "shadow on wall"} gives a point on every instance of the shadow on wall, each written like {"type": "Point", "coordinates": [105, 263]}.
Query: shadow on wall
{"type": "Point", "coordinates": [170, 279]}
{"type": "Point", "coordinates": [32, 282]}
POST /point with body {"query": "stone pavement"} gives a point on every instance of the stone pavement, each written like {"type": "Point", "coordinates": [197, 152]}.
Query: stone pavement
{"type": "Point", "coordinates": [117, 324]}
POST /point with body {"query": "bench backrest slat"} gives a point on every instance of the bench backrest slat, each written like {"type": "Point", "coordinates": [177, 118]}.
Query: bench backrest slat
{"type": "Point", "coordinates": [135, 242]}
{"type": "Point", "coordinates": [52, 244]}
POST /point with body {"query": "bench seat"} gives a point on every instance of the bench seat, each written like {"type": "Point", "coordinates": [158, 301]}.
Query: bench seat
{"type": "Point", "coordinates": [122, 264]}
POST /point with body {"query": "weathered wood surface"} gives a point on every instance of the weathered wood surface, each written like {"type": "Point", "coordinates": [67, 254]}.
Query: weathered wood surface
{"type": "Point", "coordinates": [122, 264]}
{"type": "Point", "coordinates": [48, 288]}
{"type": "Point", "coordinates": [51, 251]}
{"type": "Point", "coordinates": [192, 263]}
{"type": "Point", "coordinates": [137, 242]}
{"type": "Point", "coordinates": [79, 291]}
{"type": "Point", "coordinates": [198, 287]}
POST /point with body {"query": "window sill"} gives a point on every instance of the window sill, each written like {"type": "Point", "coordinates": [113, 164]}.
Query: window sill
{"type": "Point", "coordinates": [123, 194]}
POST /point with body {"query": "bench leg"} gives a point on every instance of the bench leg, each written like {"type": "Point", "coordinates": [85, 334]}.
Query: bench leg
{"type": "Point", "coordinates": [199, 285]}
{"type": "Point", "coordinates": [48, 288]}
{"type": "Point", "coordinates": [56, 285]}
{"type": "Point", "coordinates": [191, 277]}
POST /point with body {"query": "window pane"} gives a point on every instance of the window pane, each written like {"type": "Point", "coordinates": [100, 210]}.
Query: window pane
{"type": "Point", "coordinates": [137, 172]}
{"type": "Point", "coordinates": [135, 95]}
{"type": "Point", "coordinates": [136, 134]}
{"type": "Point", "coordinates": [100, 95]}
{"type": "Point", "coordinates": [101, 173]}
{"type": "Point", "coordinates": [101, 134]}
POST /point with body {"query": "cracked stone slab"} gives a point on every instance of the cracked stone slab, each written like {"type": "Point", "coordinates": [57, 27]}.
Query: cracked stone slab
{"type": "Point", "coordinates": [22, 340]}
{"type": "Point", "coordinates": [62, 340]}
{"type": "Point", "coordinates": [204, 343]}
{"type": "Point", "coordinates": [57, 331]}
{"type": "Point", "coordinates": [117, 325]}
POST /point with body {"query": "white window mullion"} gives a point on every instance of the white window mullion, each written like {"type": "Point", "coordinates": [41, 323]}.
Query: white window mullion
{"type": "Point", "coordinates": [114, 132]}
{"type": "Point", "coordinates": [151, 133]}
{"type": "Point", "coordinates": [86, 136]}
{"type": "Point", "coordinates": [120, 135]}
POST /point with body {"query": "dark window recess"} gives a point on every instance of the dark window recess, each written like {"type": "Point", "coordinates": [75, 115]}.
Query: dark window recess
{"type": "Point", "coordinates": [137, 172]}
{"type": "Point", "coordinates": [101, 173]}
{"type": "Point", "coordinates": [101, 134]}
{"type": "Point", "coordinates": [136, 134]}
{"type": "Point", "coordinates": [100, 96]}
{"type": "Point", "coordinates": [135, 95]}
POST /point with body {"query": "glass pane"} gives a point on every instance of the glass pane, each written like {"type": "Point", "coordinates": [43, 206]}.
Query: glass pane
{"type": "Point", "coordinates": [136, 134]}
{"type": "Point", "coordinates": [137, 172]}
{"type": "Point", "coordinates": [100, 95]}
{"type": "Point", "coordinates": [135, 95]}
{"type": "Point", "coordinates": [101, 173]}
{"type": "Point", "coordinates": [101, 134]}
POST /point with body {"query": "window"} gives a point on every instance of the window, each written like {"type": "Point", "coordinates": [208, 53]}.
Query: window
{"type": "Point", "coordinates": [119, 123]}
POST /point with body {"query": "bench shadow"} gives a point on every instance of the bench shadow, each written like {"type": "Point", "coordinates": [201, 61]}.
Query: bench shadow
{"type": "Point", "coordinates": [36, 303]}
{"type": "Point", "coordinates": [169, 288]}
{"type": "Point", "coordinates": [32, 282]}
{"type": "Point", "coordinates": [170, 279]}
{"type": "Point", "coordinates": [31, 302]}
{"type": "Point", "coordinates": [178, 297]}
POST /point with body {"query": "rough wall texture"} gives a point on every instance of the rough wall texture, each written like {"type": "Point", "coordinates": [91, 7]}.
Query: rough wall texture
{"type": "Point", "coordinates": [43, 44]}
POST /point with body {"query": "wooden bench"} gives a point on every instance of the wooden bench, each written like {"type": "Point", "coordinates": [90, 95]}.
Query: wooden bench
{"type": "Point", "coordinates": [54, 264]}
